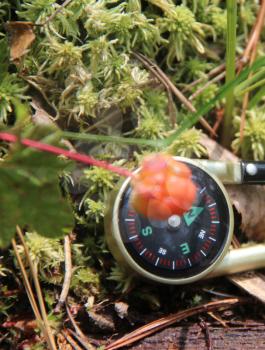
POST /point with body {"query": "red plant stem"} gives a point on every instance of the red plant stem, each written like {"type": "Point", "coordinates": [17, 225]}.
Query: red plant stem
{"type": "Point", "coordinates": [71, 155]}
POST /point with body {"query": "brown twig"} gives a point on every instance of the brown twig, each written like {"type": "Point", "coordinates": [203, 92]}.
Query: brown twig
{"type": "Point", "coordinates": [27, 284]}
{"type": "Point", "coordinates": [49, 19]}
{"type": "Point", "coordinates": [164, 322]}
{"type": "Point", "coordinates": [78, 329]}
{"type": "Point", "coordinates": [210, 74]}
{"type": "Point", "coordinates": [216, 79]}
{"type": "Point", "coordinates": [30, 293]}
{"type": "Point", "coordinates": [255, 39]}
{"type": "Point", "coordinates": [33, 270]}
{"type": "Point", "coordinates": [218, 319]}
{"type": "Point", "coordinates": [75, 325]}
{"type": "Point", "coordinates": [162, 77]}
{"type": "Point", "coordinates": [71, 341]}
{"type": "Point", "coordinates": [82, 341]}
{"type": "Point", "coordinates": [210, 82]}
{"type": "Point", "coordinates": [151, 67]}
{"type": "Point", "coordinates": [67, 274]}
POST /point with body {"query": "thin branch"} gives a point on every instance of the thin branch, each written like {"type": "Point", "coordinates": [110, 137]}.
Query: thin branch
{"type": "Point", "coordinates": [164, 322]}
{"type": "Point", "coordinates": [71, 341]}
{"type": "Point", "coordinates": [210, 74]}
{"type": "Point", "coordinates": [78, 329]}
{"type": "Point", "coordinates": [218, 319]}
{"type": "Point", "coordinates": [151, 66]}
{"type": "Point", "coordinates": [49, 19]}
{"type": "Point", "coordinates": [33, 269]}
{"type": "Point", "coordinates": [75, 325]}
{"type": "Point", "coordinates": [27, 284]}
{"type": "Point", "coordinates": [167, 82]}
{"type": "Point", "coordinates": [30, 292]}
{"type": "Point", "coordinates": [253, 38]}
{"type": "Point", "coordinates": [219, 77]}
{"type": "Point", "coordinates": [82, 341]}
{"type": "Point", "coordinates": [67, 274]}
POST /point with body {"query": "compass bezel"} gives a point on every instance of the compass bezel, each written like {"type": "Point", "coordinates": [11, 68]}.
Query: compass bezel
{"type": "Point", "coordinates": [120, 252]}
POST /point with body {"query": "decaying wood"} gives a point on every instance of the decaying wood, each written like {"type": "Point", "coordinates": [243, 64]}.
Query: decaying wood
{"type": "Point", "coordinates": [166, 321]}
{"type": "Point", "coordinates": [248, 336]}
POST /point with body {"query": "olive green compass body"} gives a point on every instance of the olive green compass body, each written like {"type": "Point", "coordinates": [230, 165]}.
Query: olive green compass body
{"type": "Point", "coordinates": [183, 249]}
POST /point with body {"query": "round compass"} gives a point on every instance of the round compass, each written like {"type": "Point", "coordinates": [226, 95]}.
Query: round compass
{"type": "Point", "coordinates": [181, 249]}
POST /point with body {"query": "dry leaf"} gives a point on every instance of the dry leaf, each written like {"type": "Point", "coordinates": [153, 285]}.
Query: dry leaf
{"type": "Point", "coordinates": [253, 282]}
{"type": "Point", "coordinates": [41, 117]}
{"type": "Point", "coordinates": [247, 199]}
{"type": "Point", "coordinates": [21, 37]}
{"type": "Point", "coordinates": [249, 202]}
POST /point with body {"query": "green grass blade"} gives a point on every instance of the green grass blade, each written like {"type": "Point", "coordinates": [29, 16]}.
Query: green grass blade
{"type": "Point", "coordinates": [111, 139]}
{"type": "Point", "coordinates": [256, 98]}
{"type": "Point", "coordinates": [192, 119]}
{"type": "Point", "coordinates": [231, 6]}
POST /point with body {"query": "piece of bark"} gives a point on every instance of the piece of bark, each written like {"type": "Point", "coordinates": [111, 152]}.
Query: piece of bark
{"type": "Point", "coordinates": [250, 335]}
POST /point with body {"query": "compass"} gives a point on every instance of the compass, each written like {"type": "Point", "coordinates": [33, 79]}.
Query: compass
{"type": "Point", "coordinates": [181, 249]}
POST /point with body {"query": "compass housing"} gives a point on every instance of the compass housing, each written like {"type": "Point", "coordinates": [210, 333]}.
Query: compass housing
{"type": "Point", "coordinates": [180, 250]}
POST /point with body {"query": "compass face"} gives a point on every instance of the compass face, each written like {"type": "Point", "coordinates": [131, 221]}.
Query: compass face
{"type": "Point", "coordinates": [180, 247]}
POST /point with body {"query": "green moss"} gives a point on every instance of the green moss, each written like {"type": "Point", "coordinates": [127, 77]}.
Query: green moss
{"type": "Point", "coordinates": [11, 89]}
{"type": "Point", "coordinates": [253, 144]}
{"type": "Point", "coordinates": [188, 145]}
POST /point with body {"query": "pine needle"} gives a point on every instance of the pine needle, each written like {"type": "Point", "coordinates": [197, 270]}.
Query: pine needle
{"type": "Point", "coordinates": [33, 270]}
{"type": "Point", "coordinates": [30, 293]}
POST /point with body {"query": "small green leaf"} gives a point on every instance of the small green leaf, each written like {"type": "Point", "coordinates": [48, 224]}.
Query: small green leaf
{"type": "Point", "coordinates": [31, 196]}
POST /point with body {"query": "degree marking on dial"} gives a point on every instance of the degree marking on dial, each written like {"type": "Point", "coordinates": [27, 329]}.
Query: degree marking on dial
{"type": "Point", "coordinates": [189, 262]}
{"type": "Point", "coordinates": [215, 222]}
{"type": "Point", "coordinates": [211, 238]}
{"type": "Point", "coordinates": [142, 252]}
{"type": "Point", "coordinates": [132, 237]}
{"type": "Point", "coordinates": [129, 219]}
{"type": "Point", "coordinates": [202, 252]}
{"type": "Point", "coordinates": [211, 205]}
{"type": "Point", "coordinates": [202, 190]}
{"type": "Point", "coordinates": [157, 261]}
{"type": "Point", "coordinates": [173, 265]}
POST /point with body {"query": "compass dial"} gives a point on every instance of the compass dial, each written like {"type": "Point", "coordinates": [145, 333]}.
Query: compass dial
{"type": "Point", "coordinates": [179, 248]}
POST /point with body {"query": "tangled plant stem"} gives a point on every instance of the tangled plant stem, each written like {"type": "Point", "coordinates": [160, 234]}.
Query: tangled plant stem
{"type": "Point", "coordinates": [60, 151]}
